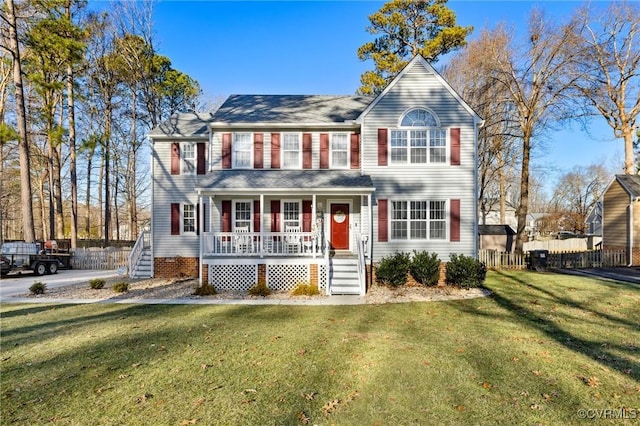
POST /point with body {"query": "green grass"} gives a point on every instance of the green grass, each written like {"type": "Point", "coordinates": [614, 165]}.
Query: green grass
{"type": "Point", "coordinates": [538, 350]}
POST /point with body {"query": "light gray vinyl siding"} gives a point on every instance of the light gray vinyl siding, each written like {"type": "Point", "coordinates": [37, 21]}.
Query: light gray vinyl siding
{"type": "Point", "coordinates": [419, 88]}
{"type": "Point", "coordinates": [168, 189]}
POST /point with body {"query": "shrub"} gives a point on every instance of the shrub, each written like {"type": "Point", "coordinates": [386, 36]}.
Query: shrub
{"type": "Point", "coordinates": [38, 288]}
{"type": "Point", "coordinates": [260, 289]}
{"type": "Point", "coordinates": [465, 272]}
{"type": "Point", "coordinates": [305, 289]}
{"type": "Point", "coordinates": [96, 283]}
{"type": "Point", "coordinates": [392, 270]}
{"type": "Point", "coordinates": [205, 290]}
{"type": "Point", "coordinates": [120, 287]}
{"type": "Point", "coordinates": [425, 268]}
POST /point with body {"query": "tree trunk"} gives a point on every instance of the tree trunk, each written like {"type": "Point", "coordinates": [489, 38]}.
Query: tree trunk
{"type": "Point", "coordinates": [72, 153]}
{"type": "Point", "coordinates": [107, 171]}
{"type": "Point", "coordinates": [523, 208]}
{"type": "Point", "coordinates": [28, 231]}
{"type": "Point", "coordinates": [629, 163]}
{"type": "Point", "coordinates": [88, 198]}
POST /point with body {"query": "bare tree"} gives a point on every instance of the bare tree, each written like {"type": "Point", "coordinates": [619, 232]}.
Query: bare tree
{"type": "Point", "coordinates": [576, 193]}
{"type": "Point", "coordinates": [537, 79]}
{"type": "Point", "coordinates": [609, 68]}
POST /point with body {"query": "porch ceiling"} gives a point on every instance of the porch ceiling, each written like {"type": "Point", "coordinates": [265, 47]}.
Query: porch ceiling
{"type": "Point", "coordinates": [289, 181]}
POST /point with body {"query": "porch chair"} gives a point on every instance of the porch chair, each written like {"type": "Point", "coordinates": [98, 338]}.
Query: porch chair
{"type": "Point", "coordinates": [292, 241]}
{"type": "Point", "coordinates": [242, 239]}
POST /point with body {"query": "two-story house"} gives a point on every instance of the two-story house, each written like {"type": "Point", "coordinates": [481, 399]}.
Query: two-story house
{"type": "Point", "coordinates": [315, 189]}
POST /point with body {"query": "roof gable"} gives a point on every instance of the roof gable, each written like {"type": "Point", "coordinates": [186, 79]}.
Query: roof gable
{"type": "Point", "coordinates": [418, 60]}
{"type": "Point", "coordinates": [630, 183]}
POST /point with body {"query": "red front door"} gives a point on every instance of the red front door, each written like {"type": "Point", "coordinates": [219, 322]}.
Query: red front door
{"type": "Point", "coordinates": [340, 226]}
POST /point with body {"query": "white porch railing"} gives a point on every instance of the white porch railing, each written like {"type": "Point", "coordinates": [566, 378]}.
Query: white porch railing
{"type": "Point", "coordinates": [360, 250]}
{"type": "Point", "coordinates": [252, 244]}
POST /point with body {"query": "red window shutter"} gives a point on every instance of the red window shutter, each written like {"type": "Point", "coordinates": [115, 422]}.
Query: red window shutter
{"type": "Point", "coordinates": [175, 158]}
{"type": "Point", "coordinates": [275, 215]}
{"type": "Point", "coordinates": [226, 216]}
{"type": "Point", "coordinates": [383, 221]}
{"type": "Point", "coordinates": [306, 150]}
{"type": "Point", "coordinates": [382, 147]}
{"type": "Point", "coordinates": [201, 159]}
{"type": "Point", "coordinates": [226, 150]}
{"type": "Point", "coordinates": [324, 150]}
{"type": "Point", "coordinates": [258, 151]}
{"type": "Point", "coordinates": [454, 222]}
{"type": "Point", "coordinates": [306, 215]}
{"type": "Point", "coordinates": [256, 216]}
{"type": "Point", "coordinates": [355, 151]}
{"type": "Point", "coordinates": [275, 150]}
{"type": "Point", "coordinates": [455, 146]}
{"type": "Point", "coordinates": [175, 219]}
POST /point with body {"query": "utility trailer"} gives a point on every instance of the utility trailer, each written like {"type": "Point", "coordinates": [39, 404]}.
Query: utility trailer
{"type": "Point", "coordinates": [20, 257]}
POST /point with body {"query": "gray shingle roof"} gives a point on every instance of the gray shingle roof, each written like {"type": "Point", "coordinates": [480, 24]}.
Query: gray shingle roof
{"type": "Point", "coordinates": [184, 125]}
{"type": "Point", "coordinates": [291, 109]}
{"type": "Point", "coordinates": [631, 184]}
{"type": "Point", "coordinates": [495, 230]}
{"type": "Point", "coordinates": [278, 179]}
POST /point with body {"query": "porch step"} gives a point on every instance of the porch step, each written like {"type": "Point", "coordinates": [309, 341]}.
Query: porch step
{"type": "Point", "coordinates": [143, 268]}
{"type": "Point", "coordinates": [343, 276]}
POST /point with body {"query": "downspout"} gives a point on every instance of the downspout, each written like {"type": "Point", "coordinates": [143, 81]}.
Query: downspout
{"type": "Point", "coordinates": [477, 125]}
{"type": "Point", "coordinates": [631, 201]}
{"type": "Point", "coordinates": [153, 191]}
{"type": "Point", "coordinates": [200, 236]}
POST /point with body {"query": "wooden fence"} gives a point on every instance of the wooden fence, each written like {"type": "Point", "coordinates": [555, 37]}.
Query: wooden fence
{"type": "Point", "coordinates": [106, 260]}
{"type": "Point", "coordinates": [562, 260]}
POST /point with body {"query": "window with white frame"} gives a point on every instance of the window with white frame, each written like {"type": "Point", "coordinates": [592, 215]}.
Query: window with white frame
{"type": "Point", "coordinates": [339, 150]}
{"type": "Point", "coordinates": [242, 214]}
{"type": "Point", "coordinates": [291, 158]}
{"type": "Point", "coordinates": [423, 143]}
{"type": "Point", "coordinates": [188, 158]}
{"type": "Point", "coordinates": [290, 214]}
{"type": "Point", "coordinates": [188, 218]}
{"type": "Point", "coordinates": [418, 220]}
{"type": "Point", "coordinates": [242, 151]}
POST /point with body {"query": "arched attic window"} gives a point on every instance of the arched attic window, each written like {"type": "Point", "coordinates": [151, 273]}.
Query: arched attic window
{"type": "Point", "coordinates": [419, 117]}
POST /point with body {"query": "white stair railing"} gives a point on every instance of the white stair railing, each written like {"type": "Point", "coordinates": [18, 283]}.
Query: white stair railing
{"type": "Point", "coordinates": [134, 257]}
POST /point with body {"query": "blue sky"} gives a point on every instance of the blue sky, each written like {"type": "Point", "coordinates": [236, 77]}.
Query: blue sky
{"type": "Point", "coordinates": [309, 47]}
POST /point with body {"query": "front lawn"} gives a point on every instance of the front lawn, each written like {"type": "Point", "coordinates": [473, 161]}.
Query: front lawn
{"type": "Point", "coordinates": [538, 351]}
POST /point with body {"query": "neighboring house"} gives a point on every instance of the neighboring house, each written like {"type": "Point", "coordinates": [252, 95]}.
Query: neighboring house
{"type": "Point", "coordinates": [621, 217]}
{"type": "Point", "coordinates": [291, 189]}
{"type": "Point", "coordinates": [594, 220]}
{"type": "Point", "coordinates": [496, 237]}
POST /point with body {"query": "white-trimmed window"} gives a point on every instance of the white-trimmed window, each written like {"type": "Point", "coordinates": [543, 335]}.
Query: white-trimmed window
{"type": "Point", "coordinates": [339, 150]}
{"type": "Point", "coordinates": [418, 220]}
{"type": "Point", "coordinates": [188, 157]}
{"type": "Point", "coordinates": [418, 139]}
{"type": "Point", "coordinates": [291, 213]}
{"type": "Point", "coordinates": [242, 214]}
{"type": "Point", "coordinates": [188, 218]}
{"type": "Point", "coordinates": [291, 148]}
{"type": "Point", "coordinates": [242, 151]}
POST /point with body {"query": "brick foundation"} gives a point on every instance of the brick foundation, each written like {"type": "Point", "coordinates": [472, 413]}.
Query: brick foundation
{"type": "Point", "coordinates": [313, 274]}
{"type": "Point", "coordinates": [176, 267]}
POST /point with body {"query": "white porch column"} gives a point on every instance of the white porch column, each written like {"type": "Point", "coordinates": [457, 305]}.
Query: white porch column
{"type": "Point", "coordinates": [261, 225]}
{"type": "Point", "coordinates": [314, 207]}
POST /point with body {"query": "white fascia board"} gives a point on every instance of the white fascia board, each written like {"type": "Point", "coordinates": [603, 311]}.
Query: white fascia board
{"type": "Point", "coordinates": [344, 125]}
{"type": "Point", "coordinates": [287, 191]}
{"type": "Point", "coordinates": [180, 137]}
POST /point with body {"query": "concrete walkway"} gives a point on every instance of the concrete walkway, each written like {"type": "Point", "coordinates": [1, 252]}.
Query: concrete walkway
{"type": "Point", "coordinates": [327, 301]}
